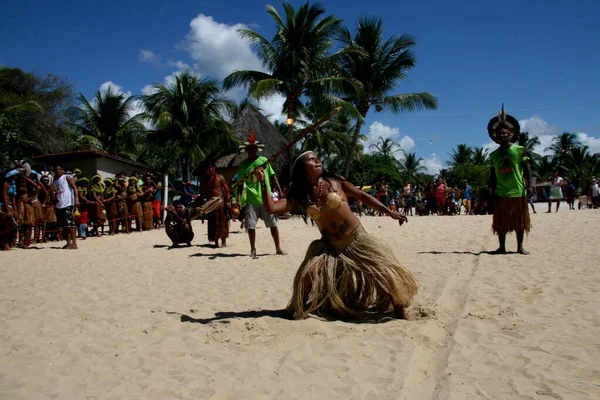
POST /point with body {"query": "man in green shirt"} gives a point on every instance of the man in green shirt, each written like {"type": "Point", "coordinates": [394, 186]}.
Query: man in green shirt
{"type": "Point", "coordinates": [509, 181]}
{"type": "Point", "coordinates": [249, 193]}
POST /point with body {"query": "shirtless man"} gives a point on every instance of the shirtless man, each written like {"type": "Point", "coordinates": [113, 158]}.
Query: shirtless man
{"type": "Point", "coordinates": [216, 186]}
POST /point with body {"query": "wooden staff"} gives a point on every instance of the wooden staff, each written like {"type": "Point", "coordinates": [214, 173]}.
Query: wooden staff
{"type": "Point", "coordinates": [290, 144]}
{"type": "Point", "coordinates": [215, 202]}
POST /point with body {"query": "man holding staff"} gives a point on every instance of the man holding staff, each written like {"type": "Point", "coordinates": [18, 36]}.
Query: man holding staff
{"type": "Point", "coordinates": [249, 193]}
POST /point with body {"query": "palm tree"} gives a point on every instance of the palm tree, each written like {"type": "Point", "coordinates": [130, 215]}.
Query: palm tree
{"type": "Point", "coordinates": [462, 155]}
{"type": "Point", "coordinates": [562, 145]}
{"type": "Point", "coordinates": [528, 142]}
{"type": "Point", "coordinates": [190, 111]}
{"type": "Point", "coordinates": [480, 156]}
{"type": "Point", "coordinates": [379, 65]}
{"type": "Point", "coordinates": [579, 165]}
{"type": "Point", "coordinates": [385, 148]}
{"type": "Point", "coordinates": [107, 121]}
{"type": "Point", "coordinates": [332, 139]}
{"type": "Point", "coordinates": [297, 59]}
{"type": "Point", "coordinates": [545, 167]}
{"type": "Point", "coordinates": [411, 166]}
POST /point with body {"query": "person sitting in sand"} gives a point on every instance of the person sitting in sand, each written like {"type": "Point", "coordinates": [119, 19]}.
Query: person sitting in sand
{"type": "Point", "coordinates": [178, 223]}
{"type": "Point", "coordinates": [347, 272]}
{"type": "Point", "coordinates": [509, 181]}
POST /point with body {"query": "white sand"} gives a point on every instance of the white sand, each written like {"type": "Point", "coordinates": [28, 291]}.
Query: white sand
{"type": "Point", "coordinates": [104, 322]}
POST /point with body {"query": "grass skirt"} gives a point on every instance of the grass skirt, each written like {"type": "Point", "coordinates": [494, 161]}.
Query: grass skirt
{"type": "Point", "coordinates": [111, 211]}
{"type": "Point", "coordinates": [511, 214]}
{"type": "Point", "coordinates": [351, 278]}
{"type": "Point", "coordinates": [135, 210]}
{"type": "Point", "coordinates": [25, 215]}
{"type": "Point", "coordinates": [123, 210]}
{"type": "Point", "coordinates": [147, 222]}
{"type": "Point", "coordinates": [218, 228]}
{"type": "Point", "coordinates": [50, 215]}
{"type": "Point", "coordinates": [38, 212]}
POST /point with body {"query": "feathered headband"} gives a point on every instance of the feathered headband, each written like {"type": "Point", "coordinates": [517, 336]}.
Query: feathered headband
{"type": "Point", "coordinates": [47, 174]}
{"type": "Point", "coordinates": [503, 120]}
{"type": "Point", "coordinates": [251, 142]}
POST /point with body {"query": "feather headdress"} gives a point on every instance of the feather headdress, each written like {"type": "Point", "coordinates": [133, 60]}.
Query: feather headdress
{"type": "Point", "coordinates": [506, 121]}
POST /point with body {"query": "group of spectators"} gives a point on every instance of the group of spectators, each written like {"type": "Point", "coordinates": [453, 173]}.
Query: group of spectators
{"type": "Point", "coordinates": [38, 207]}
{"type": "Point", "coordinates": [443, 199]}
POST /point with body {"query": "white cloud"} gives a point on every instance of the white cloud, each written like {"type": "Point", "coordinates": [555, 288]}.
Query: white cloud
{"type": "Point", "coordinates": [433, 164]}
{"type": "Point", "coordinates": [148, 89]}
{"type": "Point", "coordinates": [536, 126]}
{"type": "Point", "coordinates": [378, 130]}
{"type": "Point", "coordinates": [114, 88]}
{"type": "Point", "coordinates": [180, 65]}
{"type": "Point", "coordinates": [592, 142]}
{"type": "Point", "coordinates": [271, 107]}
{"type": "Point", "coordinates": [218, 49]}
{"type": "Point", "coordinates": [137, 107]}
{"type": "Point", "coordinates": [148, 56]}
{"type": "Point", "coordinates": [490, 146]}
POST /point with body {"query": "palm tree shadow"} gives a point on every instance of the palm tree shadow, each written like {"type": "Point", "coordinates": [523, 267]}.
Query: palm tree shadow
{"type": "Point", "coordinates": [223, 316]}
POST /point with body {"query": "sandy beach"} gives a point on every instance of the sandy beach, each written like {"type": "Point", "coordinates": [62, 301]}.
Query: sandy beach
{"type": "Point", "coordinates": [125, 317]}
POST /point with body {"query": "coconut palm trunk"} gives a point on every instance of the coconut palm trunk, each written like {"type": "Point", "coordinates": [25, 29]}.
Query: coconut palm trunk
{"type": "Point", "coordinates": [359, 124]}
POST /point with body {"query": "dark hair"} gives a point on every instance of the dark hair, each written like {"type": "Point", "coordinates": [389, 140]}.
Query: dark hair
{"type": "Point", "coordinates": [176, 203]}
{"type": "Point", "coordinates": [300, 187]}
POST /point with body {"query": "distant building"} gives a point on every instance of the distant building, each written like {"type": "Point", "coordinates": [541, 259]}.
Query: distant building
{"type": "Point", "coordinates": [90, 162]}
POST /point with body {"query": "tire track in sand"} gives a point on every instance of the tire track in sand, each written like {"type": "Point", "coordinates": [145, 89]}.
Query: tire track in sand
{"type": "Point", "coordinates": [429, 360]}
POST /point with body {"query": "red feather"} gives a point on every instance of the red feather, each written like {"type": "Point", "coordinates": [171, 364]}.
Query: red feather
{"type": "Point", "coordinates": [251, 138]}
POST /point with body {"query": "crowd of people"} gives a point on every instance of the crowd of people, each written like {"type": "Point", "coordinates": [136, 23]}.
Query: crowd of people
{"type": "Point", "coordinates": [40, 207]}
{"type": "Point", "coordinates": [347, 271]}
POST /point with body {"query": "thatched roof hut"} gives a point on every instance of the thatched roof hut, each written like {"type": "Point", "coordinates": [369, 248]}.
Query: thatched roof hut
{"type": "Point", "coordinates": [250, 119]}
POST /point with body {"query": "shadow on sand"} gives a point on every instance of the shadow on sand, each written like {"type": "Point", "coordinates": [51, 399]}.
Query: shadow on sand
{"type": "Point", "coordinates": [223, 316]}
{"type": "Point", "coordinates": [225, 255]}
{"type": "Point", "coordinates": [493, 253]}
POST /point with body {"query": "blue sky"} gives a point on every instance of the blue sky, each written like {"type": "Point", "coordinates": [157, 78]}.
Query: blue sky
{"type": "Point", "coordinates": [541, 58]}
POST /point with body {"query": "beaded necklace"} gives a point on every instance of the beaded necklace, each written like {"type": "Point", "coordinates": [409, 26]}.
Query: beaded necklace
{"type": "Point", "coordinates": [310, 202]}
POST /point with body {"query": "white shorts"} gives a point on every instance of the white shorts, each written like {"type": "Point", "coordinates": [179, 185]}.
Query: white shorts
{"type": "Point", "coordinates": [256, 211]}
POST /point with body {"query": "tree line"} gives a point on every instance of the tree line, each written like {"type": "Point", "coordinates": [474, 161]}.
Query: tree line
{"type": "Point", "coordinates": [313, 60]}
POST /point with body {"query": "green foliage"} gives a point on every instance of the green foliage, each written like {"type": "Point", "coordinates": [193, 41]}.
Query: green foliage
{"type": "Point", "coordinates": [190, 113]}
{"type": "Point", "coordinates": [107, 123]}
{"type": "Point", "coordinates": [33, 110]}
{"type": "Point", "coordinates": [374, 67]}
{"type": "Point", "coordinates": [476, 175]}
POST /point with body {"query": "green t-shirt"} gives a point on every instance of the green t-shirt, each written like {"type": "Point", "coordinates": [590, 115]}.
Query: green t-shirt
{"type": "Point", "coordinates": [509, 172]}
{"type": "Point", "coordinates": [251, 190]}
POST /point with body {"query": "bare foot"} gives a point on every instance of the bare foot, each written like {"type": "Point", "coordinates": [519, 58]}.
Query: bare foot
{"type": "Point", "coordinates": [280, 252]}
{"type": "Point", "coordinates": [522, 251]}
{"type": "Point", "coordinates": [500, 250]}
{"type": "Point", "coordinates": [253, 254]}
{"type": "Point", "coordinates": [72, 247]}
